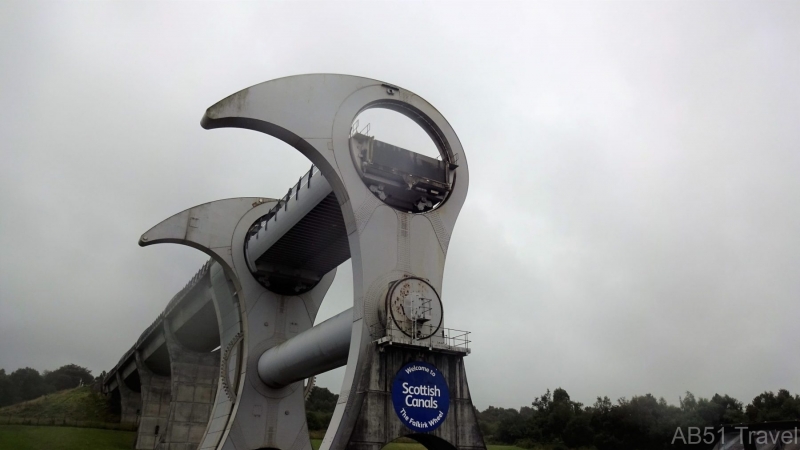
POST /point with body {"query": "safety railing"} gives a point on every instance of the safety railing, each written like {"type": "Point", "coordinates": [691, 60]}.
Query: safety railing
{"type": "Point", "coordinates": [283, 203]}
{"type": "Point", "coordinates": [443, 339]}
{"type": "Point", "coordinates": [354, 129]}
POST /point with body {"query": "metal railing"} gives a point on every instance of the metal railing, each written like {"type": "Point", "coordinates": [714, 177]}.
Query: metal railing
{"type": "Point", "coordinates": [443, 338]}
{"type": "Point", "coordinates": [354, 129]}
{"type": "Point", "coordinates": [157, 323]}
{"type": "Point", "coordinates": [282, 203]}
{"type": "Point", "coordinates": [457, 338]}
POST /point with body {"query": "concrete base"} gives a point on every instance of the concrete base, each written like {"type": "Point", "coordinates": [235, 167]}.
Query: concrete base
{"type": "Point", "coordinates": [130, 402]}
{"type": "Point", "coordinates": [155, 407]}
{"type": "Point", "coordinates": [377, 423]}
{"type": "Point", "coordinates": [194, 385]}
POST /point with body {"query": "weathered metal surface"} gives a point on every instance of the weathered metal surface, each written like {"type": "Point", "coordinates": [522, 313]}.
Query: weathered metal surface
{"type": "Point", "coordinates": [314, 114]}
{"type": "Point", "coordinates": [390, 210]}
{"type": "Point", "coordinates": [312, 352]}
{"type": "Point", "coordinates": [377, 423]}
{"type": "Point", "coordinates": [186, 304]}
{"type": "Point", "coordinates": [401, 178]}
{"type": "Point", "coordinates": [251, 319]}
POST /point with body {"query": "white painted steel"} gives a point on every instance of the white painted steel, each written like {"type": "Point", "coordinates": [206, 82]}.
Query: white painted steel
{"type": "Point", "coordinates": [314, 114]}
{"type": "Point", "coordinates": [312, 352]}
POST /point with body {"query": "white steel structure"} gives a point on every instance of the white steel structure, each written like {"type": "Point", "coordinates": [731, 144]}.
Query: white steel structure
{"type": "Point", "coordinates": [390, 210]}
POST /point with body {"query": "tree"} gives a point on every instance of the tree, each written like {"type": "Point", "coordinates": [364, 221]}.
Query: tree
{"type": "Point", "coordinates": [553, 413]}
{"type": "Point", "coordinates": [319, 408]}
{"type": "Point", "coordinates": [511, 429]}
{"type": "Point", "coordinates": [28, 384]}
{"type": "Point", "coordinates": [720, 410]}
{"type": "Point", "coordinates": [491, 418]}
{"type": "Point", "coordinates": [769, 407]}
{"type": "Point", "coordinates": [322, 400]}
{"type": "Point", "coordinates": [68, 377]}
{"type": "Point", "coordinates": [7, 396]}
{"type": "Point", "coordinates": [578, 432]}
{"type": "Point", "coordinates": [641, 422]}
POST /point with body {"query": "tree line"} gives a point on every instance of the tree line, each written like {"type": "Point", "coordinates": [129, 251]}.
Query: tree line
{"type": "Point", "coordinates": [27, 384]}
{"type": "Point", "coordinates": [319, 408]}
{"type": "Point", "coordinates": [555, 421]}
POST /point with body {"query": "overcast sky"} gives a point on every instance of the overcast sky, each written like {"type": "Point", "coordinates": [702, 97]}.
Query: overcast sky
{"type": "Point", "coordinates": [633, 214]}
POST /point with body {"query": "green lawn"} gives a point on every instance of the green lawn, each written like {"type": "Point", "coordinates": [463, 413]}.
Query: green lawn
{"type": "Point", "coordinates": [393, 446]}
{"type": "Point", "coordinates": [72, 404]}
{"type": "Point", "coordinates": [23, 437]}
{"type": "Point", "coordinates": [415, 446]}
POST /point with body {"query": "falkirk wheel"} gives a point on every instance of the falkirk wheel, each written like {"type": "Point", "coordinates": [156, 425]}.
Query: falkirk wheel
{"type": "Point", "coordinates": [388, 209]}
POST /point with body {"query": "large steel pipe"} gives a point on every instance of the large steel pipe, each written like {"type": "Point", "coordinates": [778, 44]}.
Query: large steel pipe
{"type": "Point", "coordinates": [312, 352]}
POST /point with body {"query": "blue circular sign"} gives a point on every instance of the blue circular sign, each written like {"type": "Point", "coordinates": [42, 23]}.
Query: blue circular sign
{"type": "Point", "coordinates": [420, 396]}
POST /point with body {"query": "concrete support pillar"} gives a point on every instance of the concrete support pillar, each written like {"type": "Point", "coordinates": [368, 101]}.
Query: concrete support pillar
{"type": "Point", "coordinates": [377, 423]}
{"type": "Point", "coordinates": [130, 402]}
{"type": "Point", "coordinates": [195, 376]}
{"type": "Point", "coordinates": [155, 406]}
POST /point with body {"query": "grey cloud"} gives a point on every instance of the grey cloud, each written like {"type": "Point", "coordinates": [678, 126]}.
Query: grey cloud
{"type": "Point", "coordinates": [632, 216]}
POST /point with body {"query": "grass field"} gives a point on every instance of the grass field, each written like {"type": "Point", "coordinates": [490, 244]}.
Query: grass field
{"type": "Point", "coordinates": [22, 437]}
{"type": "Point", "coordinates": [74, 404]}
{"type": "Point", "coordinates": [415, 446]}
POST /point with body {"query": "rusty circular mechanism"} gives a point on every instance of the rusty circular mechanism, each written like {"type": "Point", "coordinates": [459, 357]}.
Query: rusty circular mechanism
{"type": "Point", "coordinates": [415, 307]}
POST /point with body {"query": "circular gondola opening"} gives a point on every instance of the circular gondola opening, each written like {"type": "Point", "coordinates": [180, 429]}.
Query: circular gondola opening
{"type": "Point", "coordinates": [399, 160]}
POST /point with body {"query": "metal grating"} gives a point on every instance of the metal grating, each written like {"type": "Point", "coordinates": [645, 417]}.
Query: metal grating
{"type": "Point", "coordinates": [317, 243]}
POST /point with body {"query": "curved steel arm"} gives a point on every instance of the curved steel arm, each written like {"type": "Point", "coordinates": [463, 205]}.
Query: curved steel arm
{"type": "Point", "coordinates": [314, 114]}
